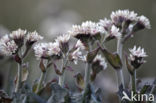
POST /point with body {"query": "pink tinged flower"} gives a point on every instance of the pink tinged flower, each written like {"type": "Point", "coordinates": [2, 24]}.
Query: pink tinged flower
{"type": "Point", "coordinates": [115, 32]}
{"type": "Point", "coordinates": [33, 37]}
{"type": "Point", "coordinates": [118, 17]}
{"type": "Point", "coordinates": [7, 47]}
{"type": "Point", "coordinates": [90, 27]}
{"type": "Point", "coordinates": [137, 56]}
{"type": "Point", "coordinates": [144, 21]}
{"type": "Point", "coordinates": [54, 48]}
{"type": "Point", "coordinates": [63, 38]}
{"type": "Point", "coordinates": [18, 34]}
{"type": "Point", "coordinates": [101, 61]}
{"type": "Point", "coordinates": [80, 45]}
{"type": "Point", "coordinates": [105, 25]}
{"type": "Point", "coordinates": [86, 28]}
{"type": "Point", "coordinates": [41, 50]}
{"type": "Point", "coordinates": [77, 55]}
{"type": "Point", "coordinates": [18, 37]}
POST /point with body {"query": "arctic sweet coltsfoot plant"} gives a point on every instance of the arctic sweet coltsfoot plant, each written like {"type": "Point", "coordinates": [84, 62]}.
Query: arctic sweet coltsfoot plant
{"type": "Point", "coordinates": [84, 43]}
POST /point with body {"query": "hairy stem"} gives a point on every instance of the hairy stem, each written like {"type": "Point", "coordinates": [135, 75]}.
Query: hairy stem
{"type": "Point", "coordinates": [87, 78]}
{"type": "Point", "coordinates": [119, 51]}
{"type": "Point", "coordinates": [87, 74]}
{"type": "Point", "coordinates": [134, 82]}
{"type": "Point", "coordinates": [40, 81]}
{"type": "Point", "coordinates": [19, 78]}
{"type": "Point", "coordinates": [62, 77]}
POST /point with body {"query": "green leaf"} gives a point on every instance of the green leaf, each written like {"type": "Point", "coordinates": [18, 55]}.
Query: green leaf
{"type": "Point", "coordinates": [91, 55]}
{"type": "Point", "coordinates": [112, 58]}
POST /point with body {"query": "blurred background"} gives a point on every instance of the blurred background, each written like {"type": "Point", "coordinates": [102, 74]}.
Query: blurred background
{"type": "Point", "coordinates": [54, 17]}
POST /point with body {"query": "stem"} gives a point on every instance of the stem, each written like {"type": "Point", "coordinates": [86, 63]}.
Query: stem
{"type": "Point", "coordinates": [62, 77]}
{"type": "Point", "coordinates": [119, 51]}
{"type": "Point", "coordinates": [87, 78]}
{"type": "Point", "coordinates": [19, 76]}
{"type": "Point", "coordinates": [87, 74]}
{"type": "Point", "coordinates": [134, 82]}
{"type": "Point", "coordinates": [40, 81]}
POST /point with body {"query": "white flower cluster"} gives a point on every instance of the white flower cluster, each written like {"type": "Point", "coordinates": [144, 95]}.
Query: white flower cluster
{"type": "Point", "coordinates": [88, 28]}
{"type": "Point", "coordinates": [110, 27]}
{"type": "Point", "coordinates": [101, 61]}
{"type": "Point", "coordinates": [63, 38]}
{"type": "Point", "coordinates": [80, 45]}
{"type": "Point", "coordinates": [33, 37]}
{"type": "Point", "coordinates": [137, 53]}
{"type": "Point", "coordinates": [144, 21]}
{"type": "Point", "coordinates": [18, 34]}
{"type": "Point", "coordinates": [118, 17]}
{"type": "Point", "coordinates": [9, 44]}
{"type": "Point", "coordinates": [46, 50]}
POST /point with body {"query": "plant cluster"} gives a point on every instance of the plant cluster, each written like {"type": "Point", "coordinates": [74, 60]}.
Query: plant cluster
{"type": "Point", "coordinates": [89, 48]}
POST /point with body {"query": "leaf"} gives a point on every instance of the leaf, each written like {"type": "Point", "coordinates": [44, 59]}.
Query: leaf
{"type": "Point", "coordinates": [91, 55]}
{"type": "Point", "coordinates": [57, 71]}
{"type": "Point", "coordinates": [42, 66]}
{"type": "Point", "coordinates": [79, 80]}
{"type": "Point", "coordinates": [59, 94]}
{"type": "Point", "coordinates": [113, 58]}
{"type": "Point", "coordinates": [144, 89]}
{"type": "Point", "coordinates": [129, 66]}
{"type": "Point", "coordinates": [25, 73]}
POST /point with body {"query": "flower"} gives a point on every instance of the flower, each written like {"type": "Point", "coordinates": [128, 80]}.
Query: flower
{"type": "Point", "coordinates": [120, 16]}
{"type": "Point", "coordinates": [33, 37]}
{"type": "Point", "coordinates": [100, 61]}
{"type": "Point", "coordinates": [18, 34]}
{"type": "Point", "coordinates": [105, 25]}
{"type": "Point", "coordinates": [63, 38]}
{"type": "Point", "coordinates": [46, 50]}
{"type": "Point", "coordinates": [77, 55]}
{"type": "Point", "coordinates": [63, 42]}
{"type": "Point", "coordinates": [86, 28]}
{"type": "Point", "coordinates": [7, 46]}
{"type": "Point", "coordinates": [115, 32]}
{"type": "Point", "coordinates": [80, 45]}
{"type": "Point", "coordinates": [137, 56]}
{"type": "Point", "coordinates": [144, 22]}
{"type": "Point", "coordinates": [54, 48]}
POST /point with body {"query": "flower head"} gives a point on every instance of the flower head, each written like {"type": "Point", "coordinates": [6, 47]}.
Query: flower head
{"type": "Point", "coordinates": [137, 56]}
{"type": "Point", "coordinates": [33, 37]}
{"type": "Point", "coordinates": [54, 48]}
{"type": "Point", "coordinates": [87, 28]}
{"type": "Point", "coordinates": [143, 22]}
{"type": "Point", "coordinates": [80, 45]}
{"type": "Point", "coordinates": [120, 16]}
{"type": "Point", "coordinates": [77, 55]}
{"type": "Point", "coordinates": [7, 46]}
{"type": "Point", "coordinates": [63, 42]}
{"type": "Point", "coordinates": [63, 38]}
{"type": "Point", "coordinates": [46, 50]}
{"type": "Point", "coordinates": [100, 61]}
{"type": "Point", "coordinates": [115, 32]}
{"type": "Point", "coordinates": [105, 25]}
{"type": "Point", "coordinates": [18, 36]}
